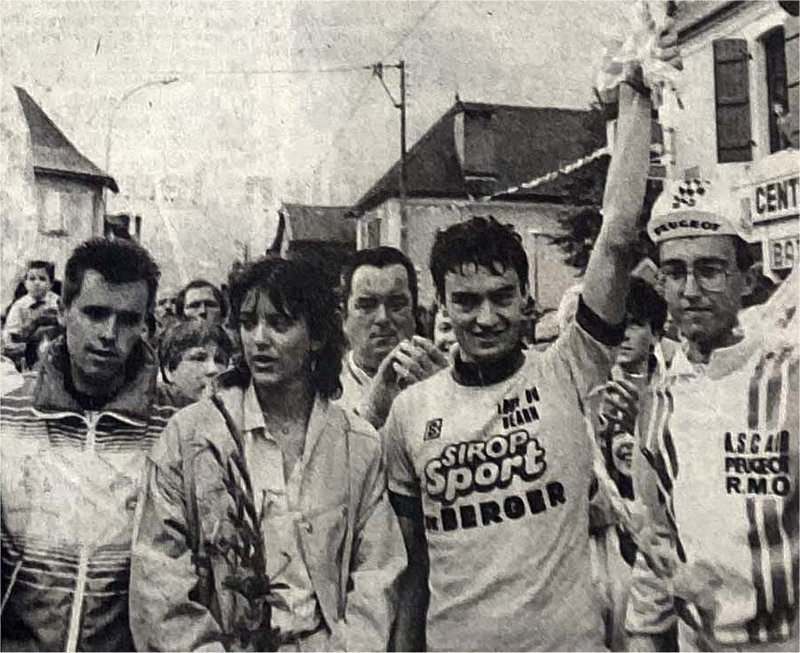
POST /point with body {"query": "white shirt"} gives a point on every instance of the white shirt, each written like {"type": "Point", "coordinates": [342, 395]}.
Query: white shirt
{"type": "Point", "coordinates": [277, 500]}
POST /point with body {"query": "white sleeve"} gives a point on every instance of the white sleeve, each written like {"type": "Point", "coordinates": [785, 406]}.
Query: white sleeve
{"type": "Point", "coordinates": [402, 478]}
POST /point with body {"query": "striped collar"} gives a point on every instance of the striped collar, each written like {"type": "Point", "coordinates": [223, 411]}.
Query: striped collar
{"type": "Point", "coordinates": [132, 404]}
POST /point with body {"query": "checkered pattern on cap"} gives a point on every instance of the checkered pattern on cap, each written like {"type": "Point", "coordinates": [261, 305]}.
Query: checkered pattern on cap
{"type": "Point", "coordinates": [688, 192]}
{"type": "Point", "coordinates": [697, 207]}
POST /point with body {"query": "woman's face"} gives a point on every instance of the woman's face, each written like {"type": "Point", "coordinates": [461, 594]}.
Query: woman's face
{"type": "Point", "coordinates": [622, 452]}
{"type": "Point", "coordinates": [277, 347]}
{"type": "Point", "coordinates": [199, 366]}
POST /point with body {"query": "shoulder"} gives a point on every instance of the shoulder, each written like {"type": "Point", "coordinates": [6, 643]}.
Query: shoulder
{"type": "Point", "coordinates": [356, 427]}
{"type": "Point", "coordinates": [434, 386]}
{"type": "Point", "coordinates": [184, 428]}
{"type": "Point", "coordinates": [20, 399]}
{"type": "Point", "coordinates": [22, 302]}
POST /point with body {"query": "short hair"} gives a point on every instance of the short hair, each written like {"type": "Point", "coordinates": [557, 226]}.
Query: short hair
{"type": "Point", "coordinates": [645, 306]}
{"type": "Point", "coordinates": [298, 289]}
{"type": "Point", "coordinates": [117, 261]}
{"type": "Point", "coordinates": [185, 335]}
{"type": "Point", "coordinates": [48, 266]}
{"type": "Point", "coordinates": [379, 257]}
{"type": "Point", "coordinates": [180, 298]}
{"type": "Point", "coordinates": [480, 241]}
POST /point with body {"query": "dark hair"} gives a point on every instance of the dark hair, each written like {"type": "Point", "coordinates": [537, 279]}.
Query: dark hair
{"type": "Point", "coordinates": [379, 257]}
{"type": "Point", "coordinates": [645, 306]}
{"type": "Point", "coordinates": [479, 241]}
{"type": "Point", "coordinates": [180, 298]}
{"type": "Point", "coordinates": [117, 261]}
{"type": "Point", "coordinates": [297, 289]}
{"type": "Point", "coordinates": [185, 335]}
{"type": "Point", "coordinates": [47, 266]}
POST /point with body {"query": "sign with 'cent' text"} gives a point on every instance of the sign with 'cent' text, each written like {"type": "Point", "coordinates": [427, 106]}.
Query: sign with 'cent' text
{"type": "Point", "coordinates": [775, 198]}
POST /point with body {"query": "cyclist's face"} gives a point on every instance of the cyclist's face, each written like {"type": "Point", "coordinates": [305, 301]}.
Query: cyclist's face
{"type": "Point", "coordinates": [703, 286]}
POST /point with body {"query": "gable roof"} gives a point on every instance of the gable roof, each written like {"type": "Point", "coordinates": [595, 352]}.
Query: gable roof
{"type": "Point", "coordinates": [528, 142]}
{"type": "Point", "coordinates": [306, 222]}
{"type": "Point", "coordinates": [53, 152]}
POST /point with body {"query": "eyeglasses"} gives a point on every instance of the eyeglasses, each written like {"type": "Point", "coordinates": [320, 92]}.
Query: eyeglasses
{"type": "Point", "coordinates": [710, 276]}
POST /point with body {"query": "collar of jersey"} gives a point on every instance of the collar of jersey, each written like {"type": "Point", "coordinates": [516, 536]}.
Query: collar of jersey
{"type": "Point", "coordinates": [475, 374]}
{"type": "Point", "coordinates": [721, 362]}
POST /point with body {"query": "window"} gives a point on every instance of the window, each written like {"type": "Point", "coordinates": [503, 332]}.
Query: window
{"type": "Point", "coordinates": [777, 92]}
{"type": "Point", "coordinates": [374, 232]}
{"type": "Point", "coordinates": [732, 99]}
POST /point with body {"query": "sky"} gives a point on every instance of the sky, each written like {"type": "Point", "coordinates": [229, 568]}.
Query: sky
{"type": "Point", "coordinates": [279, 90]}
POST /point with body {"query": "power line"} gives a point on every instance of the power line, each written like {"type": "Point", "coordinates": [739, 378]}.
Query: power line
{"type": "Point", "coordinates": [269, 71]}
{"type": "Point", "coordinates": [408, 33]}
{"type": "Point", "coordinates": [363, 91]}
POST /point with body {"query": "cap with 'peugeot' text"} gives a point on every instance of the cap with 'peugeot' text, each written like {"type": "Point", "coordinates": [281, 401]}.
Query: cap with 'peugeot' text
{"type": "Point", "coordinates": [696, 207]}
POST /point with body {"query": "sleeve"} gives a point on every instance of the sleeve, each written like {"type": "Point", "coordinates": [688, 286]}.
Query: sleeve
{"type": "Point", "coordinates": [402, 477]}
{"type": "Point", "coordinates": [377, 562]}
{"type": "Point", "coordinates": [586, 347]}
{"type": "Point", "coordinates": [163, 614]}
{"type": "Point", "coordinates": [13, 325]}
{"type": "Point", "coordinates": [650, 605]}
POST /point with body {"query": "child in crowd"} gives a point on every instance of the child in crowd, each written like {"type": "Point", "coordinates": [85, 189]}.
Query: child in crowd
{"type": "Point", "coordinates": [637, 358]}
{"type": "Point", "coordinates": [192, 354]}
{"type": "Point", "coordinates": [39, 301]}
{"type": "Point", "coordinates": [443, 335]}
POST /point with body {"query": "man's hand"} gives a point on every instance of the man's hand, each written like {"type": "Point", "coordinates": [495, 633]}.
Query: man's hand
{"type": "Point", "coordinates": [408, 363]}
{"type": "Point", "coordinates": [620, 404]}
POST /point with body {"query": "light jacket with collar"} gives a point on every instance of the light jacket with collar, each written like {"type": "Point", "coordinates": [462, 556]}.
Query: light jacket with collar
{"type": "Point", "coordinates": [348, 535]}
{"type": "Point", "coordinates": [70, 480]}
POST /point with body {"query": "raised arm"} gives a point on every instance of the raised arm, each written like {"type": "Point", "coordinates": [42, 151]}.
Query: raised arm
{"type": "Point", "coordinates": [605, 286]}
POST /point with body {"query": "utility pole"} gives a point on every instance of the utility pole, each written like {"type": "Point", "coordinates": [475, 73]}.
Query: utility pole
{"type": "Point", "coordinates": [403, 179]}
{"type": "Point", "coordinates": [377, 71]}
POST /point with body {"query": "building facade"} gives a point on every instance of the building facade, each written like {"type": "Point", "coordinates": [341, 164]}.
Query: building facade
{"type": "Point", "coordinates": [53, 196]}
{"type": "Point", "coordinates": [739, 119]}
{"type": "Point", "coordinates": [463, 166]}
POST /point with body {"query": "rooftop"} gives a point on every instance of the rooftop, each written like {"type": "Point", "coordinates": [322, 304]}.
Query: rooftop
{"type": "Point", "coordinates": [526, 142]}
{"type": "Point", "coordinates": [52, 151]}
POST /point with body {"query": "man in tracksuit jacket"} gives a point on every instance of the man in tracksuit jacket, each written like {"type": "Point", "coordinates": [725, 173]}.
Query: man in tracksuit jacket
{"type": "Point", "coordinates": [73, 444]}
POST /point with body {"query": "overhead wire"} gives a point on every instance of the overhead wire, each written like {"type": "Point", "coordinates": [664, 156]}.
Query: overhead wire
{"type": "Point", "coordinates": [363, 91]}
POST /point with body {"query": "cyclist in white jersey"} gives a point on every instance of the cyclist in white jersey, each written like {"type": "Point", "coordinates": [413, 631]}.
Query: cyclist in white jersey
{"type": "Point", "coordinates": [488, 462]}
{"type": "Point", "coordinates": [718, 464]}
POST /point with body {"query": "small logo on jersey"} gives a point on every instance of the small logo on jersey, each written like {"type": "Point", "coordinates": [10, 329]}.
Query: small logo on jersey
{"type": "Point", "coordinates": [433, 429]}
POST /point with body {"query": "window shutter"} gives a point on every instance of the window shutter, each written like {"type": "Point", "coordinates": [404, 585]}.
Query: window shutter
{"type": "Point", "coordinates": [792, 45]}
{"type": "Point", "coordinates": [732, 95]}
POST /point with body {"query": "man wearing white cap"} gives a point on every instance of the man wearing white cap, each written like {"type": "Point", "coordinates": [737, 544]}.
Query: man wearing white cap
{"type": "Point", "coordinates": [718, 464]}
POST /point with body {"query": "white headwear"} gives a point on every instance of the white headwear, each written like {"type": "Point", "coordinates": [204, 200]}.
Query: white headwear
{"type": "Point", "coordinates": [697, 207]}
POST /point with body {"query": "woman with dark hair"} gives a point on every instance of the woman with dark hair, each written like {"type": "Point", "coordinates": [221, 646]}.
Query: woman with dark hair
{"type": "Point", "coordinates": [264, 521]}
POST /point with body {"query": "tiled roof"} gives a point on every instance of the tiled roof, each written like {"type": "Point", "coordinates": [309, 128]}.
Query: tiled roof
{"type": "Point", "coordinates": [52, 150]}
{"type": "Point", "coordinates": [528, 142]}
